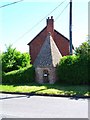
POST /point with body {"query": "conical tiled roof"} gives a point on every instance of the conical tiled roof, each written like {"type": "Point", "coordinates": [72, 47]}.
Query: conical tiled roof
{"type": "Point", "coordinates": [49, 54]}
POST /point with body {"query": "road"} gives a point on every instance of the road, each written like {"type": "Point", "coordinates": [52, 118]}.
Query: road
{"type": "Point", "coordinates": [22, 106]}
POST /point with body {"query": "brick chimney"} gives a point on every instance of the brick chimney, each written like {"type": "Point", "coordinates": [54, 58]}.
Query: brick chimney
{"type": "Point", "coordinates": [50, 26]}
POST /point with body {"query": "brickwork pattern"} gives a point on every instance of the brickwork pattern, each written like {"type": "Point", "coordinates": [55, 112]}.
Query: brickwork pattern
{"type": "Point", "coordinates": [61, 41]}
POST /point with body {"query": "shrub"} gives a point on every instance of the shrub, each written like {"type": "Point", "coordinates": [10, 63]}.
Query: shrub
{"type": "Point", "coordinates": [14, 60]}
{"type": "Point", "coordinates": [19, 77]}
{"type": "Point", "coordinates": [73, 70]}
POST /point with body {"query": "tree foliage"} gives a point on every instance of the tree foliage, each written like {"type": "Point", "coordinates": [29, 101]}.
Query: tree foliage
{"type": "Point", "coordinates": [83, 50]}
{"type": "Point", "coordinates": [13, 59]}
{"type": "Point", "coordinates": [75, 69]}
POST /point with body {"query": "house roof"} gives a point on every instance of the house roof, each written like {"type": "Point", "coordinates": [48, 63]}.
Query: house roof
{"type": "Point", "coordinates": [49, 54]}
{"type": "Point", "coordinates": [61, 35]}
{"type": "Point", "coordinates": [43, 30]}
{"type": "Point", "coordinates": [37, 35]}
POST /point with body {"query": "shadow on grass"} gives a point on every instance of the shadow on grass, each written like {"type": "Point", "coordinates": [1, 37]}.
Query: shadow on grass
{"type": "Point", "coordinates": [75, 91]}
{"type": "Point", "coordinates": [68, 90]}
{"type": "Point", "coordinates": [25, 94]}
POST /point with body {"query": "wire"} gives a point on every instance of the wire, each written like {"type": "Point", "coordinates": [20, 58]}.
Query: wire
{"type": "Point", "coordinates": [61, 12]}
{"type": "Point", "coordinates": [39, 22]}
{"type": "Point", "coordinates": [10, 4]}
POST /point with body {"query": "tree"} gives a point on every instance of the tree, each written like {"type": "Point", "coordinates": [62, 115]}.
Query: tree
{"type": "Point", "coordinates": [13, 59]}
{"type": "Point", "coordinates": [84, 49]}
{"type": "Point", "coordinates": [75, 69]}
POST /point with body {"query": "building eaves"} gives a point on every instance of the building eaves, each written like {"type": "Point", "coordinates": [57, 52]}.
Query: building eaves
{"type": "Point", "coordinates": [36, 36]}
{"type": "Point", "coordinates": [61, 35]}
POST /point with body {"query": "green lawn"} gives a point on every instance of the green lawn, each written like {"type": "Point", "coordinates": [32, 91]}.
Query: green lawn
{"type": "Point", "coordinates": [47, 89]}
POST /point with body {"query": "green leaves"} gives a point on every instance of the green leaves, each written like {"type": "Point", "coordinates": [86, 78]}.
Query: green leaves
{"type": "Point", "coordinates": [73, 70]}
{"type": "Point", "coordinates": [68, 60]}
{"type": "Point", "coordinates": [13, 59]}
{"type": "Point", "coordinates": [83, 50]}
{"type": "Point", "coordinates": [23, 76]}
{"type": "Point", "coordinates": [76, 69]}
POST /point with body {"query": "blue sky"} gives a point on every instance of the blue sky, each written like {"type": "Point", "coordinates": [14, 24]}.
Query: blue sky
{"type": "Point", "coordinates": [17, 19]}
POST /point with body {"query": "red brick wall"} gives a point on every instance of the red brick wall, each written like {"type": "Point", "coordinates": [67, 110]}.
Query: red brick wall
{"type": "Point", "coordinates": [50, 26]}
{"type": "Point", "coordinates": [36, 44]}
{"type": "Point", "coordinates": [62, 44]}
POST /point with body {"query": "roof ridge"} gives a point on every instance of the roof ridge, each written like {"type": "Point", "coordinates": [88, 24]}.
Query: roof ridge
{"type": "Point", "coordinates": [49, 54]}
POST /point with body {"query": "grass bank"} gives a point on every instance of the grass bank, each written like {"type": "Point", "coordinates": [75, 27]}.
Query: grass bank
{"type": "Point", "coordinates": [47, 89]}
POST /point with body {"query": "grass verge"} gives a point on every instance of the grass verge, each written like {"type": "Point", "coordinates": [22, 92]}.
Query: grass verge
{"type": "Point", "coordinates": [47, 89]}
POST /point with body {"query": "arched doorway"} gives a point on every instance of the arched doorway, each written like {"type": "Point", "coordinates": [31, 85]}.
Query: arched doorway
{"type": "Point", "coordinates": [45, 76]}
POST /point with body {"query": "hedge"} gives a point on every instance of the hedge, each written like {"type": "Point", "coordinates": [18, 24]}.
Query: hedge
{"type": "Point", "coordinates": [73, 70]}
{"type": "Point", "coordinates": [19, 77]}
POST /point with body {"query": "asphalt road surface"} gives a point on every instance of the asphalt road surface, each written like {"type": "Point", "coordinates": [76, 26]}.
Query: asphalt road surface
{"type": "Point", "coordinates": [22, 106]}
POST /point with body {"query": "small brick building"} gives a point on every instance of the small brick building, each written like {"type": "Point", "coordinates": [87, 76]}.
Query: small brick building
{"type": "Point", "coordinates": [46, 49]}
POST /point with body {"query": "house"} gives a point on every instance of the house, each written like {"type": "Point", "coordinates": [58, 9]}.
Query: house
{"type": "Point", "coordinates": [46, 50]}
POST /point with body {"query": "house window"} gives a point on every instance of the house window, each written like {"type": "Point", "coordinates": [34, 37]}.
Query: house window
{"type": "Point", "coordinates": [45, 76]}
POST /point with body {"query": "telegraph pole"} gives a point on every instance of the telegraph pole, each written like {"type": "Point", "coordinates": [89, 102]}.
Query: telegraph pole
{"type": "Point", "coordinates": [70, 28]}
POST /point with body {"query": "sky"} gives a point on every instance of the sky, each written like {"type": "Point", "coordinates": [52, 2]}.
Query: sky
{"type": "Point", "coordinates": [20, 22]}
